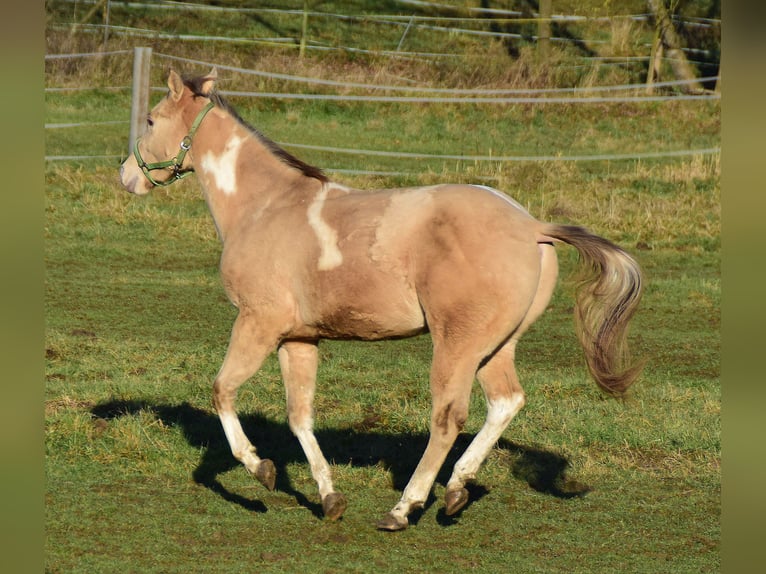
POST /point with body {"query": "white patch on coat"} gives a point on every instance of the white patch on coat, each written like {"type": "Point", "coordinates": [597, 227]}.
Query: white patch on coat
{"type": "Point", "coordinates": [223, 167]}
{"type": "Point", "coordinates": [338, 187]}
{"type": "Point", "coordinates": [330, 256]}
{"type": "Point", "coordinates": [501, 195]}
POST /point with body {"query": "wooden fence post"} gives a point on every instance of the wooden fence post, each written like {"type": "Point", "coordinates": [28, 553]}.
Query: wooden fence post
{"type": "Point", "coordinates": [106, 22]}
{"type": "Point", "coordinates": [304, 28]}
{"type": "Point", "coordinates": [544, 28]}
{"type": "Point", "coordinates": [139, 108]}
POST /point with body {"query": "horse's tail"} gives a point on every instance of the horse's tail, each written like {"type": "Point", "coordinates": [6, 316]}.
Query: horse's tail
{"type": "Point", "coordinates": [607, 298]}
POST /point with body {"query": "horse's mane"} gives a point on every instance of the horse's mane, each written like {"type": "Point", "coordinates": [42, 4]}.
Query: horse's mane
{"type": "Point", "coordinates": [195, 85]}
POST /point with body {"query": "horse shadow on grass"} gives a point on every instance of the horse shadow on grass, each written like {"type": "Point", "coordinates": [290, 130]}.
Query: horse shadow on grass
{"type": "Point", "coordinates": [361, 444]}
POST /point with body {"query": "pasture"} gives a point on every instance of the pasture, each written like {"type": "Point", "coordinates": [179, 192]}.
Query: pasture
{"type": "Point", "coordinates": [139, 476]}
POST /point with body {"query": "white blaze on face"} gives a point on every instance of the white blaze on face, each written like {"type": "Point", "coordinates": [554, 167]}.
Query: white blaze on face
{"type": "Point", "coordinates": [330, 256]}
{"type": "Point", "coordinates": [223, 167]}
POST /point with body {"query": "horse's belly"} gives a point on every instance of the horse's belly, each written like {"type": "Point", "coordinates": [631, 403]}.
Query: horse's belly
{"type": "Point", "coordinates": [353, 324]}
{"type": "Point", "coordinates": [367, 310]}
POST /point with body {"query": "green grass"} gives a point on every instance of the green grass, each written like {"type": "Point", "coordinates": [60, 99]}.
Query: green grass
{"type": "Point", "coordinates": [138, 473]}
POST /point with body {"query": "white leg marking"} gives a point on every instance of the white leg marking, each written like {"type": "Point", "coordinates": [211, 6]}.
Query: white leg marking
{"type": "Point", "coordinates": [330, 256]}
{"type": "Point", "coordinates": [499, 414]}
{"type": "Point", "coordinates": [224, 167]}
{"type": "Point", "coordinates": [320, 469]}
{"type": "Point", "coordinates": [240, 446]}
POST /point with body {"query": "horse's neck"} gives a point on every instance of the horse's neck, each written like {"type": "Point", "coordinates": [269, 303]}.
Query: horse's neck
{"type": "Point", "coordinates": [240, 176]}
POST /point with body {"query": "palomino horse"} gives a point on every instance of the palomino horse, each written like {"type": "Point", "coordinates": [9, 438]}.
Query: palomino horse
{"type": "Point", "coordinates": [306, 259]}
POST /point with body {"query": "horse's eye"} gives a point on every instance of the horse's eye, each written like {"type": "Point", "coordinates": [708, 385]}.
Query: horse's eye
{"type": "Point", "coordinates": [149, 121]}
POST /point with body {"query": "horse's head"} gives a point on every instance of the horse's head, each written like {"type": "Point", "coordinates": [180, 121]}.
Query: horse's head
{"type": "Point", "coordinates": [160, 155]}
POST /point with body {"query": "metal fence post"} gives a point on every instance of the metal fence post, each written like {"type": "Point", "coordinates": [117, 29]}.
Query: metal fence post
{"type": "Point", "coordinates": [139, 108]}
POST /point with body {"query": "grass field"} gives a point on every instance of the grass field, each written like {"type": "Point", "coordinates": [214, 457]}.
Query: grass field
{"type": "Point", "coordinates": [139, 477]}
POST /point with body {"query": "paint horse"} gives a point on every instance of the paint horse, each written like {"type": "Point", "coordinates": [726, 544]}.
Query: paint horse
{"type": "Point", "coordinates": [305, 259]}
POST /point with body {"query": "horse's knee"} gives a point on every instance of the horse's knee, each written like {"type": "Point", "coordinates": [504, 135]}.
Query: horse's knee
{"type": "Point", "coordinates": [300, 413]}
{"type": "Point", "coordinates": [220, 397]}
{"type": "Point", "coordinates": [300, 423]}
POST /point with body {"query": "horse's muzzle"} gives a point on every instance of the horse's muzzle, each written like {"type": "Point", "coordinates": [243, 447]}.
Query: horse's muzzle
{"type": "Point", "coordinates": [131, 180]}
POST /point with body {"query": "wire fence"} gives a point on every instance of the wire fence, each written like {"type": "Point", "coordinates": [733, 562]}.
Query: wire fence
{"type": "Point", "coordinates": [530, 97]}
{"type": "Point", "coordinates": [484, 17]}
{"type": "Point", "coordinates": [495, 15]}
{"type": "Point", "coordinates": [633, 93]}
{"type": "Point", "coordinates": [481, 95]}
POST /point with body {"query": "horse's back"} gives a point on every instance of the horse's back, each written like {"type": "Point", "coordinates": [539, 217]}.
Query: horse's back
{"type": "Point", "coordinates": [390, 263]}
{"type": "Point", "coordinates": [428, 256]}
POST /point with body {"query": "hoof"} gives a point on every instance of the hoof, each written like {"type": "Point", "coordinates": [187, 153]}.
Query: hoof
{"type": "Point", "coordinates": [266, 473]}
{"type": "Point", "coordinates": [392, 523]}
{"type": "Point", "coordinates": [334, 505]}
{"type": "Point", "coordinates": [455, 500]}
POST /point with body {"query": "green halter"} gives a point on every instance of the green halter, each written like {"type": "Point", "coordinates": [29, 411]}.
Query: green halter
{"type": "Point", "coordinates": [176, 162]}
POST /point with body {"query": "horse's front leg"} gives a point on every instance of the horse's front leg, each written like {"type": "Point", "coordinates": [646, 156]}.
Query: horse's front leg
{"type": "Point", "coordinates": [298, 361]}
{"type": "Point", "coordinates": [247, 351]}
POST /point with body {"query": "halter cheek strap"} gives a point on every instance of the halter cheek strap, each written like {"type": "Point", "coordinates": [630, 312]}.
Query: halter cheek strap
{"type": "Point", "coordinates": [175, 163]}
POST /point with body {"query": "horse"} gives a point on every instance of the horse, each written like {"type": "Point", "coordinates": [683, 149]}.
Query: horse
{"type": "Point", "coordinates": [305, 258]}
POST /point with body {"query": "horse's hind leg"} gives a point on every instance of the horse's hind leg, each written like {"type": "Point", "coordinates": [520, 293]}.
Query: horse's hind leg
{"type": "Point", "coordinates": [298, 361]}
{"type": "Point", "coordinates": [451, 380]}
{"type": "Point", "coordinates": [244, 357]}
{"type": "Point", "coordinates": [505, 398]}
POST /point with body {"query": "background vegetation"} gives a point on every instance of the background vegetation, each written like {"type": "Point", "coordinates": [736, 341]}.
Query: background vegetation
{"type": "Point", "coordinates": [139, 476]}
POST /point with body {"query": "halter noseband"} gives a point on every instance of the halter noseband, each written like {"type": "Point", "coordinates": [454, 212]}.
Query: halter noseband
{"type": "Point", "coordinates": [176, 162]}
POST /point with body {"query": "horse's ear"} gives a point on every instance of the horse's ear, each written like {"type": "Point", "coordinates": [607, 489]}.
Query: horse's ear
{"type": "Point", "coordinates": [176, 85]}
{"type": "Point", "coordinates": [208, 82]}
